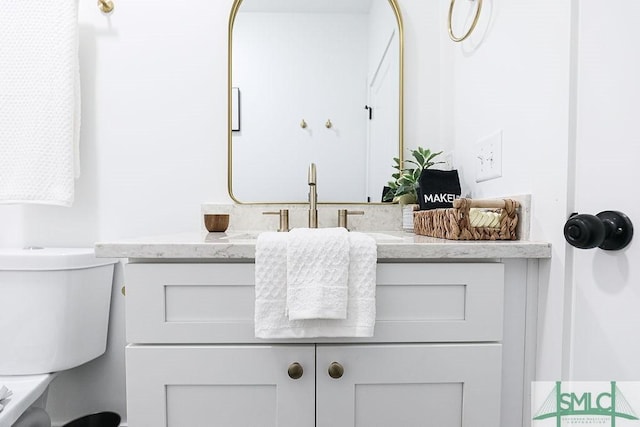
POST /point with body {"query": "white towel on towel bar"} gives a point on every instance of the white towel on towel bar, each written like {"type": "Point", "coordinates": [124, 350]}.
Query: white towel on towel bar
{"type": "Point", "coordinates": [39, 101]}
{"type": "Point", "coordinates": [271, 320]}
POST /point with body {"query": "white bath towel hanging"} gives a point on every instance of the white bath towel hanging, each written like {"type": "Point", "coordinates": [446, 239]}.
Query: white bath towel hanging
{"type": "Point", "coordinates": [39, 101]}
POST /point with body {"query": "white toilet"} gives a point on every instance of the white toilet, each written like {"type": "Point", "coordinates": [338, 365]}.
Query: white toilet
{"type": "Point", "coordinates": [54, 315]}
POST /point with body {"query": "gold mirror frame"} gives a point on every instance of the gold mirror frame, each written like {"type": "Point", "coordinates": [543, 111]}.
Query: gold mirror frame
{"type": "Point", "coordinates": [232, 17]}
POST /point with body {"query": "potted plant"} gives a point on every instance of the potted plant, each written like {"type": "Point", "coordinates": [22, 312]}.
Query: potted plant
{"type": "Point", "coordinates": [404, 188]}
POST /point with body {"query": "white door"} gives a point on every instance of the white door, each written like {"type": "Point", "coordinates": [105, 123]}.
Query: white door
{"type": "Point", "coordinates": [383, 125]}
{"type": "Point", "coordinates": [455, 385]}
{"type": "Point", "coordinates": [212, 386]}
{"type": "Point", "coordinates": [606, 285]}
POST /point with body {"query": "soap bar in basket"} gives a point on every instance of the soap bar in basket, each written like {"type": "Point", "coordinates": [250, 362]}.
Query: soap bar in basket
{"type": "Point", "coordinates": [482, 218]}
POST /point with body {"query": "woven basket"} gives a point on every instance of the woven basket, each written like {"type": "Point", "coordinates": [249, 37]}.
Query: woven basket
{"type": "Point", "coordinates": [454, 223]}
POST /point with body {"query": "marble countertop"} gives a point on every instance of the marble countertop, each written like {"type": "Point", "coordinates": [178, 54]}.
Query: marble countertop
{"type": "Point", "coordinates": [240, 245]}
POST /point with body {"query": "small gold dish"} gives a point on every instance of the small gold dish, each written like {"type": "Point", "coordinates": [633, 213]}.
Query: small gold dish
{"type": "Point", "coordinates": [216, 222]}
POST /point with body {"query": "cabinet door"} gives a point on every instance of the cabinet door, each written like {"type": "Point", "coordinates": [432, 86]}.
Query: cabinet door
{"type": "Point", "coordinates": [409, 385]}
{"type": "Point", "coordinates": [215, 386]}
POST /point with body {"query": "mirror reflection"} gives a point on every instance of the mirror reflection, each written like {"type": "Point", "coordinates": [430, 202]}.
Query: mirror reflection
{"type": "Point", "coordinates": [314, 81]}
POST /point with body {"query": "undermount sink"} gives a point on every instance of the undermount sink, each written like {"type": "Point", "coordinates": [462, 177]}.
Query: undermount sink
{"type": "Point", "coordinates": [252, 236]}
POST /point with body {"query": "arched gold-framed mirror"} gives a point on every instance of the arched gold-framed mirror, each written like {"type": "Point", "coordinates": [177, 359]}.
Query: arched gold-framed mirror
{"type": "Point", "coordinates": [314, 81]}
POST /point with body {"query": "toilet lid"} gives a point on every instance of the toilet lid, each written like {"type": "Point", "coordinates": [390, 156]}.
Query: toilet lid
{"type": "Point", "coordinates": [26, 390]}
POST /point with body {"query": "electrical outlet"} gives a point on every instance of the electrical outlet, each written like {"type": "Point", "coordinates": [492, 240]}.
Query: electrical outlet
{"type": "Point", "coordinates": [489, 157]}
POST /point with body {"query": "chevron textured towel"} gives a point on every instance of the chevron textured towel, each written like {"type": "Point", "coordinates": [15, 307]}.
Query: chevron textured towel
{"type": "Point", "coordinates": [271, 319]}
{"type": "Point", "coordinates": [317, 272]}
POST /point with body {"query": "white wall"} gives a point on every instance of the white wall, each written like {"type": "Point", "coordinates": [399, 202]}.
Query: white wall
{"type": "Point", "coordinates": [559, 79]}
{"type": "Point", "coordinates": [513, 75]}
{"type": "Point", "coordinates": [426, 77]}
{"type": "Point", "coordinates": [154, 146]}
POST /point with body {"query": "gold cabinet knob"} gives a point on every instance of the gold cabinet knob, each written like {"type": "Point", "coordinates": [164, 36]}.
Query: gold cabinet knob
{"type": "Point", "coordinates": [335, 370]}
{"type": "Point", "coordinates": [295, 371]}
{"type": "Point", "coordinates": [123, 291]}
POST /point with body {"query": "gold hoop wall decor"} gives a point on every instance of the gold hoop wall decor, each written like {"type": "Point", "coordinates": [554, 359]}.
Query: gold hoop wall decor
{"type": "Point", "coordinates": [473, 24]}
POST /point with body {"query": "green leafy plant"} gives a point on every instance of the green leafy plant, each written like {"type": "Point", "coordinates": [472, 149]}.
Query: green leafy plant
{"type": "Point", "coordinates": [404, 187]}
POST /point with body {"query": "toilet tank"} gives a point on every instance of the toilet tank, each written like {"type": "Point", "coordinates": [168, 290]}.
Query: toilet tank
{"type": "Point", "coordinates": [54, 308]}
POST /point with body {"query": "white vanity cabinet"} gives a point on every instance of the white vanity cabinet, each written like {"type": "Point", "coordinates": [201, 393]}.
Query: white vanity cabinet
{"type": "Point", "coordinates": [435, 359]}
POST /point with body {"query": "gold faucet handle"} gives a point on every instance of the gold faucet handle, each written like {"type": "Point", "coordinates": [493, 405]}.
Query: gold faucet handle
{"type": "Point", "coordinates": [284, 218]}
{"type": "Point", "coordinates": [343, 214]}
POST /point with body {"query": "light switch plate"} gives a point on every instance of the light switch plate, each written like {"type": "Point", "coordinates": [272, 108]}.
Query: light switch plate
{"type": "Point", "coordinates": [489, 157]}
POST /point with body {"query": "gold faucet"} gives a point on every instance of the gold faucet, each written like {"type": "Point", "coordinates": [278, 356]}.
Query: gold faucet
{"type": "Point", "coordinates": [313, 197]}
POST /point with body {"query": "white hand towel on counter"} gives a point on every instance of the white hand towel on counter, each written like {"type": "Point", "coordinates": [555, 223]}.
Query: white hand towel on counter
{"type": "Point", "coordinates": [271, 284]}
{"type": "Point", "coordinates": [317, 273]}
{"type": "Point", "coordinates": [271, 320]}
{"type": "Point", "coordinates": [361, 310]}
{"type": "Point", "coordinates": [39, 101]}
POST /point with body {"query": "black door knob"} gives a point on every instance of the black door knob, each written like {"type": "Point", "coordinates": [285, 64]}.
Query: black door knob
{"type": "Point", "coordinates": [609, 230]}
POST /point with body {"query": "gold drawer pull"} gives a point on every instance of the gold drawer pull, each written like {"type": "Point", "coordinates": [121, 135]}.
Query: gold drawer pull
{"type": "Point", "coordinates": [335, 370]}
{"type": "Point", "coordinates": [295, 371]}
